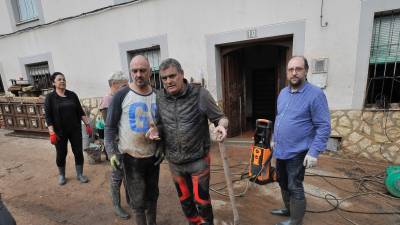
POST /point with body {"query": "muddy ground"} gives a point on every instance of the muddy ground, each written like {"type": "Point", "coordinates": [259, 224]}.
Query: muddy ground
{"type": "Point", "coordinates": [28, 183]}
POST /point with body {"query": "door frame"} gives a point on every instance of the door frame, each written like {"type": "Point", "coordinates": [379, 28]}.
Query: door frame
{"type": "Point", "coordinates": [262, 33]}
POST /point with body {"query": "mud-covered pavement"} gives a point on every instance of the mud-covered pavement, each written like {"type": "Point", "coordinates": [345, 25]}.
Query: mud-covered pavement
{"type": "Point", "coordinates": [28, 183]}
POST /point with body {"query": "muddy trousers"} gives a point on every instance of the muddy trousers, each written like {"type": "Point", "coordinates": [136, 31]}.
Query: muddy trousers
{"type": "Point", "coordinates": [75, 138]}
{"type": "Point", "coordinates": [192, 184]}
{"type": "Point", "coordinates": [117, 178]}
{"type": "Point", "coordinates": [141, 177]}
{"type": "Point", "coordinates": [5, 216]}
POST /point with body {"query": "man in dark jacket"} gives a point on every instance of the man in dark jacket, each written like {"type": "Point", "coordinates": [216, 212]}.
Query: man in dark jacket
{"type": "Point", "coordinates": [183, 111]}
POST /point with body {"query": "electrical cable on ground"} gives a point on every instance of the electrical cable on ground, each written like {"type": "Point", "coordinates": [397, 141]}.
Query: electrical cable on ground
{"type": "Point", "coordinates": [334, 202]}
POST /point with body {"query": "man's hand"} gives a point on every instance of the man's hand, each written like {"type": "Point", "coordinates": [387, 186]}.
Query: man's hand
{"type": "Point", "coordinates": [53, 138]}
{"type": "Point", "coordinates": [220, 133]}
{"type": "Point", "coordinates": [309, 161]}
{"type": "Point", "coordinates": [89, 130]}
{"type": "Point", "coordinates": [159, 154]}
{"type": "Point", "coordinates": [152, 134]}
{"type": "Point", "coordinates": [115, 164]}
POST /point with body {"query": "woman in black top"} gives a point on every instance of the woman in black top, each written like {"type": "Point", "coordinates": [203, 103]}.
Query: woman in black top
{"type": "Point", "coordinates": [63, 117]}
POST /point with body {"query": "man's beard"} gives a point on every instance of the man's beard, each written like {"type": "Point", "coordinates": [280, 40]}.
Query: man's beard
{"type": "Point", "coordinates": [142, 83]}
{"type": "Point", "coordinates": [296, 84]}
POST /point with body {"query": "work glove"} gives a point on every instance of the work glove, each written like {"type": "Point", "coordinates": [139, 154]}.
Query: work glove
{"type": "Point", "coordinates": [152, 134]}
{"type": "Point", "coordinates": [309, 161]}
{"type": "Point", "coordinates": [89, 130]}
{"type": "Point", "coordinates": [220, 133]}
{"type": "Point", "coordinates": [53, 138]}
{"type": "Point", "coordinates": [159, 154]}
{"type": "Point", "coordinates": [114, 161]}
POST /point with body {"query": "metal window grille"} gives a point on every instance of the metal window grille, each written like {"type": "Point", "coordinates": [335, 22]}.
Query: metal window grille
{"type": "Point", "coordinates": [26, 10]}
{"type": "Point", "coordinates": [39, 75]}
{"type": "Point", "coordinates": [383, 87]}
{"type": "Point", "coordinates": [154, 57]}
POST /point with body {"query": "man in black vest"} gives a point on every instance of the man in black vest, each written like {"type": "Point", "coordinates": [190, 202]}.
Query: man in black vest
{"type": "Point", "coordinates": [183, 112]}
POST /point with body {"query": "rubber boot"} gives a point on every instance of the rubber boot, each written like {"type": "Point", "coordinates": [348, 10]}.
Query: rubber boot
{"type": "Point", "coordinates": [297, 210]}
{"type": "Point", "coordinates": [286, 201]}
{"type": "Point", "coordinates": [151, 214]}
{"type": "Point", "coordinates": [140, 217]}
{"type": "Point", "coordinates": [79, 174]}
{"type": "Point", "coordinates": [61, 176]}
{"type": "Point", "coordinates": [116, 199]}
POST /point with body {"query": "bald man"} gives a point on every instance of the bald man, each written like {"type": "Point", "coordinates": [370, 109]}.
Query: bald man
{"type": "Point", "coordinates": [129, 118]}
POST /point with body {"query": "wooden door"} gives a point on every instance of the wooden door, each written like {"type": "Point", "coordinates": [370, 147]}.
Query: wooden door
{"type": "Point", "coordinates": [233, 98]}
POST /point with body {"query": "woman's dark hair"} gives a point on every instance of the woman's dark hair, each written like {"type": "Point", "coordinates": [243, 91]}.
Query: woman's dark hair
{"type": "Point", "coordinates": [53, 76]}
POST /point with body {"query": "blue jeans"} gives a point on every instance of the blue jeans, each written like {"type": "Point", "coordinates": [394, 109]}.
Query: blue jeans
{"type": "Point", "coordinates": [290, 174]}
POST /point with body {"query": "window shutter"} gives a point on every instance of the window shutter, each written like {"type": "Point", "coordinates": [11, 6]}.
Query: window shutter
{"type": "Point", "coordinates": [385, 46]}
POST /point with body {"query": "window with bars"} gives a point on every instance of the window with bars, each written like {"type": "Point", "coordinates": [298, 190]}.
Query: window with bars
{"type": "Point", "coordinates": [154, 57]}
{"type": "Point", "coordinates": [383, 87]}
{"type": "Point", "coordinates": [39, 75]}
{"type": "Point", "coordinates": [27, 10]}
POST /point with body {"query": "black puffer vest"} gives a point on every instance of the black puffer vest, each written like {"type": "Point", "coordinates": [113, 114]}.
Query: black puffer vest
{"type": "Point", "coordinates": [184, 126]}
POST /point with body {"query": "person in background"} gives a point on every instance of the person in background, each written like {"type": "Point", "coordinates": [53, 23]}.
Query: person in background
{"type": "Point", "coordinates": [117, 81]}
{"type": "Point", "coordinates": [64, 113]}
{"type": "Point", "coordinates": [302, 129]}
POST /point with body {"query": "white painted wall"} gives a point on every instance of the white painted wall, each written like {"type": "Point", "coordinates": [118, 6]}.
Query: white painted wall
{"type": "Point", "coordinates": [86, 49]}
{"type": "Point", "coordinates": [5, 25]}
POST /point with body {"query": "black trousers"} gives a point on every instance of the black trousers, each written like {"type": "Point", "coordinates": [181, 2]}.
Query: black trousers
{"type": "Point", "coordinates": [75, 138]}
{"type": "Point", "coordinates": [5, 216]}
{"type": "Point", "coordinates": [290, 173]}
{"type": "Point", "coordinates": [141, 177]}
{"type": "Point", "coordinates": [192, 182]}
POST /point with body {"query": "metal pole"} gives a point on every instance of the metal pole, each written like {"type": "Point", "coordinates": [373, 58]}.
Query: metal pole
{"type": "Point", "coordinates": [227, 172]}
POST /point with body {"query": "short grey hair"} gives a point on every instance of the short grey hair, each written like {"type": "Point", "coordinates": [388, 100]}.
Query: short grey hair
{"type": "Point", "coordinates": [117, 76]}
{"type": "Point", "coordinates": [171, 62]}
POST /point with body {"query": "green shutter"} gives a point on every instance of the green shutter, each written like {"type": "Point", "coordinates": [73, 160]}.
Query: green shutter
{"type": "Point", "coordinates": [385, 46]}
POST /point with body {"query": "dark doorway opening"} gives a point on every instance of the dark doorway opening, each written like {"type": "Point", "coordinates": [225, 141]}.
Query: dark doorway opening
{"type": "Point", "coordinates": [252, 75]}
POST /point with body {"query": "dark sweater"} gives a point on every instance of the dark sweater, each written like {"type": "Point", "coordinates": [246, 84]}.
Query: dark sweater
{"type": "Point", "coordinates": [63, 113]}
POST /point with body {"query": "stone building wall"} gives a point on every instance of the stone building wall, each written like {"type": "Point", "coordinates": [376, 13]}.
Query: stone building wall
{"type": "Point", "coordinates": [371, 135]}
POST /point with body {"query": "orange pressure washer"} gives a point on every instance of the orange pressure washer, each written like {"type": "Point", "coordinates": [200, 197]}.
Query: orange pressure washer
{"type": "Point", "coordinates": [260, 169]}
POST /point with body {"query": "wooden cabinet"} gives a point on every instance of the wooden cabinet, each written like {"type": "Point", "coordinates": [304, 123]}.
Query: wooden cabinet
{"type": "Point", "coordinates": [23, 113]}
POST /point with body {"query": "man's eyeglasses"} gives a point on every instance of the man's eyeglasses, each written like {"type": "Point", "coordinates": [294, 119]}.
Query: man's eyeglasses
{"type": "Point", "coordinates": [296, 69]}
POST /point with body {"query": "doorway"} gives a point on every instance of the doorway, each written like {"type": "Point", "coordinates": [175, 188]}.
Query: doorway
{"type": "Point", "coordinates": [252, 75]}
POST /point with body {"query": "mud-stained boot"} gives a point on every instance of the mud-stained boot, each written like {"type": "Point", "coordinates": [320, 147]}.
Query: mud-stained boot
{"type": "Point", "coordinates": [286, 201]}
{"type": "Point", "coordinates": [297, 210]}
{"type": "Point", "coordinates": [116, 199]}
{"type": "Point", "coordinates": [140, 217]}
{"type": "Point", "coordinates": [79, 174]}
{"type": "Point", "coordinates": [61, 176]}
{"type": "Point", "coordinates": [151, 214]}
